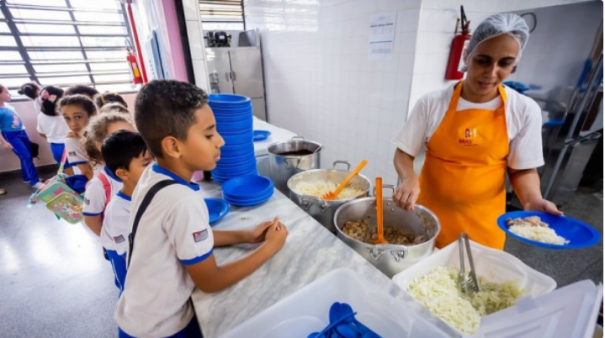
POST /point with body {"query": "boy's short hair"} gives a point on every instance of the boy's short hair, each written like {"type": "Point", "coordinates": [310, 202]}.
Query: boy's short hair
{"type": "Point", "coordinates": [166, 108]}
{"type": "Point", "coordinates": [120, 148]}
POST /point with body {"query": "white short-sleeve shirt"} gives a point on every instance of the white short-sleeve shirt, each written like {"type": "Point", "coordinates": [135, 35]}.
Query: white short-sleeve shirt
{"type": "Point", "coordinates": [54, 127]}
{"type": "Point", "coordinates": [172, 233]}
{"type": "Point", "coordinates": [75, 151]}
{"type": "Point", "coordinates": [114, 234]}
{"type": "Point", "coordinates": [523, 123]}
{"type": "Point", "coordinates": [95, 198]}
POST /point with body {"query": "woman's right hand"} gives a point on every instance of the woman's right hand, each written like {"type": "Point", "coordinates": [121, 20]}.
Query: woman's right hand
{"type": "Point", "coordinates": [406, 194]}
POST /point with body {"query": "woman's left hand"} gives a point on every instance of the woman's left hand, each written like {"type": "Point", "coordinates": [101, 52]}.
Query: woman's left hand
{"type": "Point", "coordinates": [543, 206]}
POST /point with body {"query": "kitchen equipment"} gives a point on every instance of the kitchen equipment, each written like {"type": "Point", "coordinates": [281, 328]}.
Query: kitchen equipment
{"type": "Point", "coordinates": [323, 211]}
{"type": "Point", "coordinates": [217, 209]}
{"type": "Point", "coordinates": [239, 68]}
{"type": "Point", "coordinates": [390, 258]}
{"type": "Point", "coordinates": [579, 234]}
{"type": "Point", "coordinates": [466, 283]}
{"type": "Point", "coordinates": [379, 214]}
{"type": "Point", "coordinates": [333, 194]}
{"type": "Point", "coordinates": [261, 135]}
{"type": "Point", "coordinates": [289, 158]}
{"type": "Point", "coordinates": [305, 311]}
{"type": "Point", "coordinates": [567, 312]}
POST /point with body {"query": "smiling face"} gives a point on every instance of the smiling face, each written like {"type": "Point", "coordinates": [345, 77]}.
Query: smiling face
{"type": "Point", "coordinates": [488, 66]}
{"type": "Point", "coordinates": [76, 118]}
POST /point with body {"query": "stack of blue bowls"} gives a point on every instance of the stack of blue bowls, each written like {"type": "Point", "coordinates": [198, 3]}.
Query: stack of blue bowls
{"type": "Point", "coordinates": [233, 114]}
{"type": "Point", "coordinates": [248, 191]}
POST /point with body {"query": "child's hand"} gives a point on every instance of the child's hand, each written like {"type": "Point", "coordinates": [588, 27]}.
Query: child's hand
{"type": "Point", "coordinates": [7, 146]}
{"type": "Point", "coordinates": [276, 235]}
{"type": "Point", "coordinates": [257, 234]}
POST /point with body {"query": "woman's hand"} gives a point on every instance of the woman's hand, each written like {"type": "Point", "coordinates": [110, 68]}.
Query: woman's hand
{"type": "Point", "coordinates": [543, 205]}
{"type": "Point", "coordinates": [406, 194]}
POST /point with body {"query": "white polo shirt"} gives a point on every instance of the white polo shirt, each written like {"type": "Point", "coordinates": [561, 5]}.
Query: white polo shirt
{"type": "Point", "coordinates": [94, 196]}
{"type": "Point", "coordinates": [75, 151]}
{"type": "Point", "coordinates": [173, 232]}
{"type": "Point", "coordinates": [54, 127]}
{"type": "Point", "coordinates": [114, 234]}
{"type": "Point", "coordinates": [523, 123]}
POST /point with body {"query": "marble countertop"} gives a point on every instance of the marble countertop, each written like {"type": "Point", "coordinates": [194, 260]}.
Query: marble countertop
{"type": "Point", "coordinates": [310, 252]}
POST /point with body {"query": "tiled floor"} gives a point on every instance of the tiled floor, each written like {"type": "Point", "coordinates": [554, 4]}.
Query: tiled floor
{"type": "Point", "coordinates": [54, 281]}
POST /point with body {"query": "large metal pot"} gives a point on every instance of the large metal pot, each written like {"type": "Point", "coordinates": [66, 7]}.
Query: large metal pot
{"type": "Point", "coordinates": [323, 211]}
{"type": "Point", "coordinates": [289, 158]}
{"type": "Point", "coordinates": [390, 258]}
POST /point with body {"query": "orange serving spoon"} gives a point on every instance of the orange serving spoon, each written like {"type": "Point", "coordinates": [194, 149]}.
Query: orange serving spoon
{"type": "Point", "coordinates": [379, 214]}
{"type": "Point", "coordinates": [329, 196]}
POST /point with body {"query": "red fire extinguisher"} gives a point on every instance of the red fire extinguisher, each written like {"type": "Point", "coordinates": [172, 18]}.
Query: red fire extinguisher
{"type": "Point", "coordinates": [459, 44]}
{"type": "Point", "coordinates": [134, 67]}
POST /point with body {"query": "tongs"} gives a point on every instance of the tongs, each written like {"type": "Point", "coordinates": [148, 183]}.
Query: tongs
{"type": "Point", "coordinates": [467, 282]}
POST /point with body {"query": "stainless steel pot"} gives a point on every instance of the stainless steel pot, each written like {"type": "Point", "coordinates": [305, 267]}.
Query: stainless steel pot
{"type": "Point", "coordinates": [323, 211]}
{"type": "Point", "coordinates": [390, 258]}
{"type": "Point", "coordinates": [289, 158]}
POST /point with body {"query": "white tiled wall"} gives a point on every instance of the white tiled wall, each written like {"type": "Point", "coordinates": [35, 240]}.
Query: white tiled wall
{"type": "Point", "coordinates": [436, 31]}
{"type": "Point", "coordinates": [196, 43]}
{"type": "Point", "coordinates": [320, 83]}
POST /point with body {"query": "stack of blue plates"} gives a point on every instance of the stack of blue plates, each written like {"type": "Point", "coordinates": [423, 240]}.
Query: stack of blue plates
{"type": "Point", "coordinates": [233, 115]}
{"type": "Point", "coordinates": [247, 191]}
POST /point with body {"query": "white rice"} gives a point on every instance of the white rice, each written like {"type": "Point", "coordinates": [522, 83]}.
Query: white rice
{"type": "Point", "coordinates": [538, 234]}
{"type": "Point", "coordinates": [319, 188]}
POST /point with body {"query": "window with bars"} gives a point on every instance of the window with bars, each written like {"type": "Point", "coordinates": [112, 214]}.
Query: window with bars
{"type": "Point", "coordinates": [63, 43]}
{"type": "Point", "coordinates": [222, 14]}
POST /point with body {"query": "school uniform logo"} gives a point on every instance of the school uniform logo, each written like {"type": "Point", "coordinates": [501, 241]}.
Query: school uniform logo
{"type": "Point", "coordinates": [71, 153]}
{"type": "Point", "coordinates": [119, 239]}
{"type": "Point", "coordinates": [470, 136]}
{"type": "Point", "coordinates": [200, 235]}
{"type": "Point", "coordinates": [86, 201]}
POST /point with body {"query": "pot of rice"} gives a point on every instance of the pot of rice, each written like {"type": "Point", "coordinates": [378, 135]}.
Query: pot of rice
{"type": "Point", "coordinates": [306, 189]}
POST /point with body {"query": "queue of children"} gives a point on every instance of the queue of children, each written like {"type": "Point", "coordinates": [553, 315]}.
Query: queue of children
{"type": "Point", "coordinates": [139, 190]}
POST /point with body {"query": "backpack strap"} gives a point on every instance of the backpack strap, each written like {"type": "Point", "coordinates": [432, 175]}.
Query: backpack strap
{"type": "Point", "coordinates": [106, 187]}
{"type": "Point", "coordinates": [144, 204]}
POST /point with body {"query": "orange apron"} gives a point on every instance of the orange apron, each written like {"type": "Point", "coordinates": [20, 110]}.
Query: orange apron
{"type": "Point", "coordinates": [463, 177]}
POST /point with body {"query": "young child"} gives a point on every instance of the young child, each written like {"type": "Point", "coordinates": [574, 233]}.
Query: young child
{"type": "Point", "coordinates": [14, 137]}
{"type": "Point", "coordinates": [77, 111]}
{"type": "Point", "coordinates": [106, 98]}
{"type": "Point", "coordinates": [114, 107]}
{"type": "Point", "coordinates": [172, 247]}
{"type": "Point", "coordinates": [85, 90]}
{"type": "Point", "coordinates": [31, 90]}
{"type": "Point", "coordinates": [104, 184]}
{"type": "Point", "coordinates": [126, 156]}
{"type": "Point", "coordinates": [52, 126]}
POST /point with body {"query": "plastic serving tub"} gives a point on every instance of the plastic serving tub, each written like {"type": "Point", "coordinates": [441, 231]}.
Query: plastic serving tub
{"type": "Point", "coordinates": [568, 312]}
{"type": "Point", "coordinates": [306, 311]}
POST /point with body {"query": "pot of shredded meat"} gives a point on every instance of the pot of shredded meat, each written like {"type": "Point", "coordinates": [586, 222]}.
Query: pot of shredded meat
{"type": "Point", "coordinates": [411, 234]}
{"type": "Point", "coordinates": [306, 189]}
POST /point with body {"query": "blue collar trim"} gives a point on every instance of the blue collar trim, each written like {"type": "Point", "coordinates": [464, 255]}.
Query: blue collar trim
{"type": "Point", "coordinates": [110, 174]}
{"type": "Point", "coordinates": [164, 171]}
{"type": "Point", "coordinates": [121, 194]}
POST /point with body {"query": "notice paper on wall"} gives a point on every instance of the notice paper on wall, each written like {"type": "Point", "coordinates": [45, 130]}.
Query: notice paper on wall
{"type": "Point", "coordinates": [382, 36]}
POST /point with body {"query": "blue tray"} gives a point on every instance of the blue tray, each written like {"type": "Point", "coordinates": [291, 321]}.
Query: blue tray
{"type": "Point", "coordinates": [261, 135]}
{"type": "Point", "coordinates": [579, 234]}
{"type": "Point", "coordinates": [217, 209]}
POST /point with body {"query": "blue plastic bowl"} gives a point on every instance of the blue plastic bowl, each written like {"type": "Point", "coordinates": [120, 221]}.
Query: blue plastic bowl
{"type": "Point", "coordinates": [235, 127]}
{"type": "Point", "coordinates": [232, 118]}
{"type": "Point", "coordinates": [237, 139]}
{"type": "Point", "coordinates": [579, 234]}
{"type": "Point", "coordinates": [227, 99]}
{"type": "Point", "coordinates": [228, 131]}
{"type": "Point", "coordinates": [232, 110]}
{"type": "Point", "coordinates": [260, 135]}
{"type": "Point", "coordinates": [248, 202]}
{"type": "Point", "coordinates": [227, 160]}
{"type": "Point", "coordinates": [247, 186]}
{"type": "Point", "coordinates": [222, 179]}
{"type": "Point", "coordinates": [234, 172]}
{"type": "Point", "coordinates": [217, 209]}
{"type": "Point", "coordinates": [237, 150]}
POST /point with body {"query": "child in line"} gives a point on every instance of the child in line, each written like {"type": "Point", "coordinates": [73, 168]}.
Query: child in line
{"type": "Point", "coordinates": [106, 98]}
{"type": "Point", "coordinates": [14, 137]}
{"type": "Point", "coordinates": [126, 156]}
{"type": "Point", "coordinates": [77, 110]}
{"type": "Point", "coordinates": [85, 90]}
{"type": "Point", "coordinates": [52, 126]}
{"type": "Point", "coordinates": [104, 185]}
{"type": "Point", "coordinates": [31, 90]}
{"type": "Point", "coordinates": [173, 246]}
{"type": "Point", "coordinates": [114, 107]}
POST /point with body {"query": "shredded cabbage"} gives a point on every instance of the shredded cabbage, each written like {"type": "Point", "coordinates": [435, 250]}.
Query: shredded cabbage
{"type": "Point", "coordinates": [438, 291]}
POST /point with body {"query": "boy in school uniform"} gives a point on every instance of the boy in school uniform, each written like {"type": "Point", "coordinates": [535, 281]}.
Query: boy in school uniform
{"type": "Point", "coordinates": [126, 156]}
{"type": "Point", "coordinates": [172, 242]}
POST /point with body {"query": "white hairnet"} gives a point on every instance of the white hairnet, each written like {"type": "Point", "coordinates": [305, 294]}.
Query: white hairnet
{"type": "Point", "coordinates": [496, 25]}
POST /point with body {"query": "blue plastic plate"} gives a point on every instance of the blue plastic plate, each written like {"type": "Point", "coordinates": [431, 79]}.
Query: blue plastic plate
{"type": "Point", "coordinates": [261, 135]}
{"type": "Point", "coordinates": [255, 199]}
{"type": "Point", "coordinates": [250, 203]}
{"type": "Point", "coordinates": [227, 99]}
{"type": "Point", "coordinates": [579, 234]}
{"type": "Point", "coordinates": [217, 209]}
{"type": "Point", "coordinates": [247, 186]}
